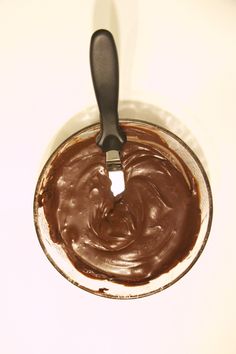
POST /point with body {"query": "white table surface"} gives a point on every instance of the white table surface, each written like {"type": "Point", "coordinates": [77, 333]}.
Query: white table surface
{"type": "Point", "coordinates": [178, 55]}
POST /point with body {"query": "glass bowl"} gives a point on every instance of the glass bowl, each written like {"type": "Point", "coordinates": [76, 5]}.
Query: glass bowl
{"type": "Point", "coordinates": [106, 288]}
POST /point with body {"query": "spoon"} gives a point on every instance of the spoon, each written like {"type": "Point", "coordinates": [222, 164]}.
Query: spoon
{"type": "Point", "coordinates": [105, 76]}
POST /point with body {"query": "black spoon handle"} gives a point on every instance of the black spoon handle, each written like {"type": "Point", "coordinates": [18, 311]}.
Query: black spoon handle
{"type": "Point", "coordinates": [105, 76]}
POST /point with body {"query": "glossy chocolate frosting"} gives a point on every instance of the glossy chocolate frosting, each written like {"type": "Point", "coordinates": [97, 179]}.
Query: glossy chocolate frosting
{"type": "Point", "coordinates": [133, 237]}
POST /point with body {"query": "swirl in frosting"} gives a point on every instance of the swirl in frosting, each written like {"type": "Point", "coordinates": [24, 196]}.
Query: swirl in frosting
{"type": "Point", "coordinates": [132, 237]}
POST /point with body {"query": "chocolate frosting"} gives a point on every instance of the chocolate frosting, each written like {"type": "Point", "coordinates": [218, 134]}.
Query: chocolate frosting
{"type": "Point", "coordinates": [133, 237]}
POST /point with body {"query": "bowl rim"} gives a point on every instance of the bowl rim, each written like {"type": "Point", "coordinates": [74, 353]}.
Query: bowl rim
{"type": "Point", "coordinates": [104, 294]}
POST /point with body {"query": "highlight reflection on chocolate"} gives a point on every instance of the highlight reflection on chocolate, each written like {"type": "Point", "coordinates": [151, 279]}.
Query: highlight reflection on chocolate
{"type": "Point", "coordinates": [135, 236]}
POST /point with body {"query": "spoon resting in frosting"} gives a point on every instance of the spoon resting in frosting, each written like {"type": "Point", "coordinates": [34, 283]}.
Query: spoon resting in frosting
{"type": "Point", "coordinates": [135, 236]}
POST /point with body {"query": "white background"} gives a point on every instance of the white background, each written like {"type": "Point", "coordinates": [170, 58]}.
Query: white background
{"type": "Point", "coordinates": [179, 55]}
